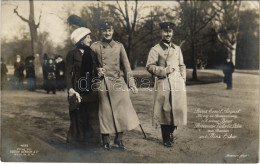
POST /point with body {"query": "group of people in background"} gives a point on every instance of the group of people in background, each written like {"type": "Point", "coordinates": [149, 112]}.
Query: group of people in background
{"type": "Point", "coordinates": [53, 73]}
{"type": "Point", "coordinates": [24, 70]}
{"type": "Point", "coordinates": [24, 76]}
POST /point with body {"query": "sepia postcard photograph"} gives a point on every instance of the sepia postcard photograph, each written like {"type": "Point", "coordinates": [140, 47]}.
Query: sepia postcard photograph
{"type": "Point", "coordinates": [129, 81]}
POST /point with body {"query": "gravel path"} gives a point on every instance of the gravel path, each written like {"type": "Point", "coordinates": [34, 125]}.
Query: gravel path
{"type": "Point", "coordinates": [40, 121]}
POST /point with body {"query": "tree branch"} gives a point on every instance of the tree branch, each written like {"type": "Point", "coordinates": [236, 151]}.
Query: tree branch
{"type": "Point", "coordinates": [65, 21]}
{"type": "Point", "coordinates": [127, 17]}
{"type": "Point", "coordinates": [143, 37]}
{"type": "Point", "coordinates": [135, 15]}
{"type": "Point", "coordinates": [122, 22]}
{"type": "Point", "coordinates": [113, 8]}
{"type": "Point", "coordinates": [39, 20]}
{"type": "Point", "coordinates": [120, 9]}
{"type": "Point", "coordinates": [15, 11]}
{"type": "Point", "coordinates": [206, 23]}
{"type": "Point", "coordinates": [224, 42]}
{"type": "Point", "coordinates": [182, 42]}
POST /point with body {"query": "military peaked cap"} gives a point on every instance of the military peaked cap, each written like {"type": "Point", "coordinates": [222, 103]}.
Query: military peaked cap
{"type": "Point", "coordinates": [166, 25]}
{"type": "Point", "coordinates": [105, 23]}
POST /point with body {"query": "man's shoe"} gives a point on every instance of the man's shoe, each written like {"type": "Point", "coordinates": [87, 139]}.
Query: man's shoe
{"type": "Point", "coordinates": [167, 144]}
{"type": "Point", "coordinates": [171, 137]}
{"type": "Point", "coordinates": [107, 146]}
{"type": "Point", "coordinates": [120, 144]}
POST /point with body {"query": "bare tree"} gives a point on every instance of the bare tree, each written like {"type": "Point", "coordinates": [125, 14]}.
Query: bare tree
{"type": "Point", "coordinates": [195, 16]}
{"type": "Point", "coordinates": [127, 15]}
{"type": "Point", "coordinates": [92, 14]}
{"type": "Point", "coordinates": [32, 26]}
{"type": "Point", "coordinates": [227, 25]}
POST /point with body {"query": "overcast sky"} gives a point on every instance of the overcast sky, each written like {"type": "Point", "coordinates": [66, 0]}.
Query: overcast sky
{"type": "Point", "coordinates": [54, 16]}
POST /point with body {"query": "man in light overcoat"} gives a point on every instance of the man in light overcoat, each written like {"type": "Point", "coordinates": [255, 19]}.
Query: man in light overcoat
{"type": "Point", "coordinates": [116, 112]}
{"type": "Point", "coordinates": [165, 62]}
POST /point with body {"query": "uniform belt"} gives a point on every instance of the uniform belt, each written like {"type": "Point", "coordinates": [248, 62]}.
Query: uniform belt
{"type": "Point", "coordinates": [158, 77]}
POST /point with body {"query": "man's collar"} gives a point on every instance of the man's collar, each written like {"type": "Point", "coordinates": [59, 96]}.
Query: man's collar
{"type": "Point", "coordinates": [164, 46]}
{"type": "Point", "coordinates": [111, 44]}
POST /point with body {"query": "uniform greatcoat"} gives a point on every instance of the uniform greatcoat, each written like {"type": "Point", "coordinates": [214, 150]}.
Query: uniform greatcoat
{"type": "Point", "coordinates": [170, 101]}
{"type": "Point", "coordinates": [116, 112]}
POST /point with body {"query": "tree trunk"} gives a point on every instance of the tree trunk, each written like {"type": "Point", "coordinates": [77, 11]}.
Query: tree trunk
{"type": "Point", "coordinates": [233, 53]}
{"type": "Point", "coordinates": [33, 29]}
{"type": "Point", "coordinates": [194, 72]}
{"type": "Point", "coordinates": [129, 51]}
{"type": "Point", "coordinates": [34, 43]}
{"type": "Point", "coordinates": [33, 33]}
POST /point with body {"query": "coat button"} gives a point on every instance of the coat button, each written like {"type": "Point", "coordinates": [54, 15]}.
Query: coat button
{"type": "Point", "coordinates": [104, 64]}
{"type": "Point", "coordinates": [103, 58]}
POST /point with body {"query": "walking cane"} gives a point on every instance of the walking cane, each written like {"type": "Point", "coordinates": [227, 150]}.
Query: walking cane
{"type": "Point", "coordinates": [142, 131]}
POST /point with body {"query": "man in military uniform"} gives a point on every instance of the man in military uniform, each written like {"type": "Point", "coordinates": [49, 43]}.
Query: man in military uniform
{"type": "Point", "coordinates": [228, 70]}
{"type": "Point", "coordinates": [165, 61]}
{"type": "Point", "coordinates": [116, 112]}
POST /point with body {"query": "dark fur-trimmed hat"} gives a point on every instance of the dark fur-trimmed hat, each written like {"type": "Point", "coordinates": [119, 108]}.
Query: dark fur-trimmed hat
{"type": "Point", "coordinates": [76, 20]}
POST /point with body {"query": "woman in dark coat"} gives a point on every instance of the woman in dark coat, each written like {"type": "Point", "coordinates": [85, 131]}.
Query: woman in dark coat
{"type": "Point", "coordinates": [18, 72]}
{"type": "Point", "coordinates": [83, 103]}
{"type": "Point", "coordinates": [4, 71]}
{"type": "Point", "coordinates": [60, 73]}
{"type": "Point", "coordinates": [30, 73]}
{"type": "Point", "coordinates": [44, 70]}
{"type": "Point", "coordinates": [51, 76]}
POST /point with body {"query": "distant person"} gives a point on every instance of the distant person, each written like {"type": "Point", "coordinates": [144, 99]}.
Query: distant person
{"type": "Point", "coordinates": [60, 73]}
{"type": "Point", "coordinates": [18, 72]}
{"type": "Point", "coordinates": [228, 69]}
{"type": "Point", "coordinates": [44, 70]}
{"type": "Point", "coordinates": [51, 76]}
{"type": "Point", "coordinates": [30, 73]}
{"type": "Point", "coordinates": [165, 62]}
{"type": "Point", "coordinates": [4, 71]}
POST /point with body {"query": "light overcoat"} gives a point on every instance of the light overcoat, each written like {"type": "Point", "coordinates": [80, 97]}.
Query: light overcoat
{"type": "Point", "coordinates": [116, 112]}
{"type": "Point", "coordinates": [170, 101]}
